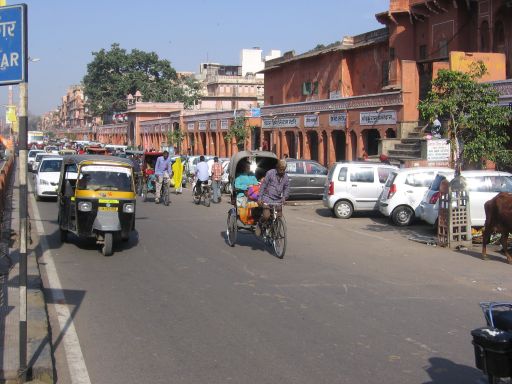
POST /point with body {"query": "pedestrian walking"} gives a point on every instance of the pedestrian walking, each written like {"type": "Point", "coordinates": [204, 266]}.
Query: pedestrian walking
{"type": "Point", "coordinates": [163, 173]}
{"type": "Point", "coordinates": [177, 175]}
{"type": "Point", "coordinates": [216, 179]}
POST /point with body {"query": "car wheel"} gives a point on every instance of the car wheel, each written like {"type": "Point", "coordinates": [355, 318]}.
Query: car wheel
{"type": "Point", "coordinates": [402, 216]}
{"type": "Point", "coordinates": [343, 209]}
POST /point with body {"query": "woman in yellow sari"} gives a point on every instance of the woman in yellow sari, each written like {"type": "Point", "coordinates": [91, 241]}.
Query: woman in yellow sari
{"type": "Point", "coordinates": [177, 174]}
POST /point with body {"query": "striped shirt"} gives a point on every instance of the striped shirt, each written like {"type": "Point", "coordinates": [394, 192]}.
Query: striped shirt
{"type": "Point", "coordinates": [274, 189]}
{"type": "Point", "coordinates": [216, 171]}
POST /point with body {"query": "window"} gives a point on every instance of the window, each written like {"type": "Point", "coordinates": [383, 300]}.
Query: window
{"type": "Point", "coordinates": [391, 54]}
{"type": "Point", "coordinates": [423, 179]}
{"type": "Point", "coordinates": [306, 88]}
{"type": "Point", "coordinates": [443, 48]}
{"type": "Point", "coordinates": [383, 174]}
{"type": "Point", "coordinates": [492, 184]}
{"type": "Point", "coordinates": [362, 175]}
{"type": "Point", "coordinates": [385, 73]}
{"type": "Point", "coordinates": [315, 169]}
{"type": "Point", "coordinates": [315, 88]}
{"type": "Point", "coordinates": [423, 52]}
{"type": "Point", "coordinates": [295, 167]}
{"type": "Point", "coordinates": [342, 176]}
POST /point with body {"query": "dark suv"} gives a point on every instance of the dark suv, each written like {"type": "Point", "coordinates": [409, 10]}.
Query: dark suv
{"type": "Point", "coordinates": [307, 178]}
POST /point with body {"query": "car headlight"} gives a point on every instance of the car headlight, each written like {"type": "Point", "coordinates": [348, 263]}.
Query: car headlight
{"type": "Point", "coordinates": [84, 206]}
{"type": "Point", "coordinates": [44, 182]}
{"type": "Point", "coordinates": [129, 208]}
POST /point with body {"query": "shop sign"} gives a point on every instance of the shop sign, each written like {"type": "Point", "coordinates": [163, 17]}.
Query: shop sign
{"type": "Point", "coordinates": [213, 125]}
{"type": "Point", "coordinates": [202, 125]}
{"type": "Point", "coordinates": [438, 150]}
{"type": "Point", "coordinates": [378, 118]}
{"type": "Point", "coordinates": [282, 122]}
{"type": "Point", "coordinates": [338, 120]}
{"type": "Point", "coordinates": [190, 126]}
{"type": "Point", "coordinates": [224, 125]}
{"type": "Point", "coordinates": [311, 121]}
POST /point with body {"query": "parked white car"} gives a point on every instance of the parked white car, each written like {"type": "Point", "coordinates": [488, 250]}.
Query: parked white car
{"type": "Point", "coordinates": [482, 186]}
{"type": "Point", "coordinates": [404, 191]}
{"type": "Point", "coordinates": [47, 177]}
{"type": "Point", "coordinates": [355, 186]}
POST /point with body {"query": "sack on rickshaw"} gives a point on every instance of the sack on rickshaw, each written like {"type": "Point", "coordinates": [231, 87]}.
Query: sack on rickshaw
{"type": "Point", "coordinates": [253, 192]}
{"type": "Point", "coordinates": [250, 213]}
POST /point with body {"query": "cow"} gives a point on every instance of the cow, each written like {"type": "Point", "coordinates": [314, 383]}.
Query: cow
{"type": "Point", "coordinates": [498, 218]}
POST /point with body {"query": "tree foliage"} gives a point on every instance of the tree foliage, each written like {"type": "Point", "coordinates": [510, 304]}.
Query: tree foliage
{"type": "Point", "coordinates": [477, 124]}
{"type": "Point", "coordinates": [115, 73]}
{"type": "Point", "coordinates": [175, 137]}
{"type": "Point", "coordinates": [238, 130]}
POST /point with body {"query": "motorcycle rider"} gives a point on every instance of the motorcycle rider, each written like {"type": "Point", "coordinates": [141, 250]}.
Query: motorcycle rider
{"type": "Point", "coordinates": [202, 174]}
{"type": "Point", "coordinates": [163, 172]}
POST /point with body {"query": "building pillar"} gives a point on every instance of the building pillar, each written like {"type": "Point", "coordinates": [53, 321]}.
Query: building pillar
{"type": "Point", "coordinates": [321, 153]}
{"type": "Point", "coordinates": [331, 152]}
{"type": "Point", "coordinates": [360, 144]}
{"type": "Point", "coordinates": [305, 145]}
{"type": "Point", "coordinates": [348, 145]}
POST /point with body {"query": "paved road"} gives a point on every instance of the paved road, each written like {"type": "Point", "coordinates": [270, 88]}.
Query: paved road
{"type": "Point", "coordinates": [352, 302]}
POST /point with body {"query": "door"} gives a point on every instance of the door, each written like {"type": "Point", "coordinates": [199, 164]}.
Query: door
{"type": "Point", "coordinates": [364, 188]}
{"type": "Point", "coordinates": [316, 177]}
{"type": "Point", "coordinates": [297, 177]}
{"type": "Point", "coordinates": [382, 176]}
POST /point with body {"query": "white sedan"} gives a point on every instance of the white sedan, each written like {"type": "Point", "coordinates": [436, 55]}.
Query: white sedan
{"type": "Point", "coordinates": [47, 177]}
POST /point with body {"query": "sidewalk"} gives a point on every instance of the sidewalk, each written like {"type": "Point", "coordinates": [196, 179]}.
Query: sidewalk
{"type": "Point", "coordinates": [39, 351]}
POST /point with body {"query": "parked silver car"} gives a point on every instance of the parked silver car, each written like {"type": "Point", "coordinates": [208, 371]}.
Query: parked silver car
{"type": "Point", "coordinates": [307, 178]}
{"type": "Point", "coordinates": [355, 186]}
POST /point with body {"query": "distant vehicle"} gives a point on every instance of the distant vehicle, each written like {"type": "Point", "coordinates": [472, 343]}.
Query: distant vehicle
{"type": "Point", "coordinates": [482, 187]}
{"type": "Point", "coordinates": [307, 178]}
{"type": "Point", "coordinates": [35, 139]}
{"type": "Point", "coordinates": [355, 186]}
{"type": "Point", "coordinates": [47, 177]}
{"type": "Point", "coordinates": [116, 148]}
{"type": "Point", "coordinates": [51, 149]}
{"type": "Point", "coordinates": [404, 191]}
{"type": "Point", "coordinates": [32, 156]}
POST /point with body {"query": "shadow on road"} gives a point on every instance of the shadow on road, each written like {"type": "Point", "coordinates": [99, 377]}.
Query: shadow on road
{"type": "Point", "coordinates": [249, 239]}
{"type": "Point", "coordinates": [444, 371]}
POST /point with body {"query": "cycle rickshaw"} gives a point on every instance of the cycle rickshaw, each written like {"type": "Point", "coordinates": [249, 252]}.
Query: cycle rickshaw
{"type": "Point", "coordinates": [149, 177]}
{"type": "Point", "coordinates": [245, 213]}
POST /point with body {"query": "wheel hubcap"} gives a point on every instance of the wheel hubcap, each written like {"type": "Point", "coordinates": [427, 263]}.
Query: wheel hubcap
{"type": "Point", "coordinates": [343, 210]}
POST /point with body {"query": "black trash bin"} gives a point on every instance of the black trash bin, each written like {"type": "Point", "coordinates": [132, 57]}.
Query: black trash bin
{"type": "Point", "coordinates": [493, 351]}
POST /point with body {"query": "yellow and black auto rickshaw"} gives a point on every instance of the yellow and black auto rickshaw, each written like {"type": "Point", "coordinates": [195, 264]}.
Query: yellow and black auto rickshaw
{"type": "Point", "coordinates": [97, 199]}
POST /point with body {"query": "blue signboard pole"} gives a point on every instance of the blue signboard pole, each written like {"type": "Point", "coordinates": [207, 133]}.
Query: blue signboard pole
{"type": "Point", "coordinates": [23, 211]}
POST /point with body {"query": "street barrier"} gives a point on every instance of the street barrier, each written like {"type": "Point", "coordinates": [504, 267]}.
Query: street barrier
{"type": "Point", "coordinates": [5, 177]}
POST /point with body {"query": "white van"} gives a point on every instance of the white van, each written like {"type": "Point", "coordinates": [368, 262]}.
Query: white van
{"type": "Point", "coordinates": [355, 186]}
{"type": "Point", "coordinates": [404, 191]}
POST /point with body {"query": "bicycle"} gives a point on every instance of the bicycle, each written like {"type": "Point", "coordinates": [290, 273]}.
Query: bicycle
{"type": "Point", "coordinates": [274, 230]}
{"type": "Point", "coordinates": [205, 194]}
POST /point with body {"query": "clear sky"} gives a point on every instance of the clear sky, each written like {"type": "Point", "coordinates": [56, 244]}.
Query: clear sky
{"type": "Point", "coordinates": [64, 33]}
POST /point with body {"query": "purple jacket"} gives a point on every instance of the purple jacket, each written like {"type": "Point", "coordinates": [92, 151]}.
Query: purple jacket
{"type": "Point", "coordinates": [274, 189]}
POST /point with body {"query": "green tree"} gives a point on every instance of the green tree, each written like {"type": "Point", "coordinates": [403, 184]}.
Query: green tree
{"type": "Point", "coordinates": [115, 73]}
{"type": "Point", "coordinates": [239, 130]}
{"type": "Point", "coordinates": [175, 137]}
{"type": "Point", "coordinates": [476, 123]}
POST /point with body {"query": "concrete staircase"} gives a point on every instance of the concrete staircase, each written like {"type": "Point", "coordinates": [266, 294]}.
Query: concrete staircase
{"type": "Point", "coordinates": [408, 148]}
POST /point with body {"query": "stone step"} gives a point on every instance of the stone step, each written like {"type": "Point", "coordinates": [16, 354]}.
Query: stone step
{"type": "Point", "coordinates": [411, 141]}
{"type": "Point", "coordinates": [408, 146]}
{"type": "Point", "coordinates": [404, 152]}
{"type": "Point", "coordinates": [415, 135]}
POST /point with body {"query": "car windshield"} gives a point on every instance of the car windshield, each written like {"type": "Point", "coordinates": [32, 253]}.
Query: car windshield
{"type": "Point", "coordinates": [50, 165]}
{"type": "Point", "coordinates": [105, 177]}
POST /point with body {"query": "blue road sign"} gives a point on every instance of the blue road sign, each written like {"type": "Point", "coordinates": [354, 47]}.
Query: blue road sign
{"type": "Point", "coordinates": [255, 112]}
{"type": "Point", "coordinates": [12, 44]}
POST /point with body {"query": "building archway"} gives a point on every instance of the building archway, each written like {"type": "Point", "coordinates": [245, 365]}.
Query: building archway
{"type": "Point", "coordinates": [339, 142]}
{"type": "Point", "coordinates": [499, 37]}
{"type": "Point", "coordinates": [213, 135]}
{"type": "Point", "coordinates": [202, 142]}
{"type": "Point", "coordinates": [353, 143]}
{"type": "Point", "coordinates": [371, 141]}
{"type": "Point", "coordinates": [390, 133]}
{"type": "Point", "coordinates": [300, 145]}
{"type": "Point", "coordinates": [290, 144]}
{"type": "Point", "coordinates": [131, 133]}
{"type": "Point", "coordinates": [313, 145]}
{"type": "Point", "coordinates": [256, 138]}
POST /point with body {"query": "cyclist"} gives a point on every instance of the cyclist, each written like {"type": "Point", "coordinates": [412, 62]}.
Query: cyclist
{"type": "Point", "coordinates": [274, 190]}
{"type": "Point", "coordinates": [202, 174]}
{"type": "Point", "coordinates": [163, 172]}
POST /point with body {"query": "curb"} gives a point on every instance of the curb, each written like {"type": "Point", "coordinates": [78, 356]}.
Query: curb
{"type": "Point", "coordinates": [304, 203]}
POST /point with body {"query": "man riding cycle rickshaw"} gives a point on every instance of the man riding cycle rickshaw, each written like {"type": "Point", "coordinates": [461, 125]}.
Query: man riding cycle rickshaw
{"type": "Point", "coordinates": [257, 208]}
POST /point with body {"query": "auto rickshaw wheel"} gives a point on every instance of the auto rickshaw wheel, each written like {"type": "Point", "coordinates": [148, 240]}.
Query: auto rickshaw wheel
{"type": "Point", "coordinates": [107, 244]}
{"type": "Point", "coordinates": [144, 193]}
{"type": "Point", "coordinates": [231, 230]}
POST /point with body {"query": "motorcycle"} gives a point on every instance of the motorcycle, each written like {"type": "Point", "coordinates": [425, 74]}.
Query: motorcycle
{"type": "Point", "coordinates": [204, 194]}
{"type": "Point", "coordinates": [493, 343]}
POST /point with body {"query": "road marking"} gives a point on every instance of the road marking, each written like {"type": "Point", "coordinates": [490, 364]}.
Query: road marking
{"type": "Point", "coordinates": [315, 222]}
{"type": "Point", "coordinates": [76, 363]}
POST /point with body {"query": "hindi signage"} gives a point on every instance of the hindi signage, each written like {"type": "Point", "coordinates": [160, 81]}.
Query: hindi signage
{"type": "Point", "coordinates": [13, 44]}
{"type": "Point", "coordinates": [202, 125]}
{"type": "Point", "coordinates": [438, 150]}
{"type": "Point", "coordinates": [213, 125]}
{"type": "Point", "coordinates": [281, 122]}
{"type": "Point", "coordinates": [338, 120]}
{"type": "Point", "coordinates": [311, 121]}
{"type": "Point", "coordinates": [224, 125]}
{"type": "Point", "coordinates": [378, 118]}
{"type": "Point", "coordinates": [190, 126]}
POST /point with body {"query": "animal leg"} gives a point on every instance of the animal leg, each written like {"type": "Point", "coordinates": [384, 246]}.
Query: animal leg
{"type": "Point", "coordinates": [504, 245]}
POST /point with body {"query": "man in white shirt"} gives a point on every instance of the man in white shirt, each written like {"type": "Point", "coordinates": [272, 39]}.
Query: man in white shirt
{"type": "Point", "coordinates": [202, 174]}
